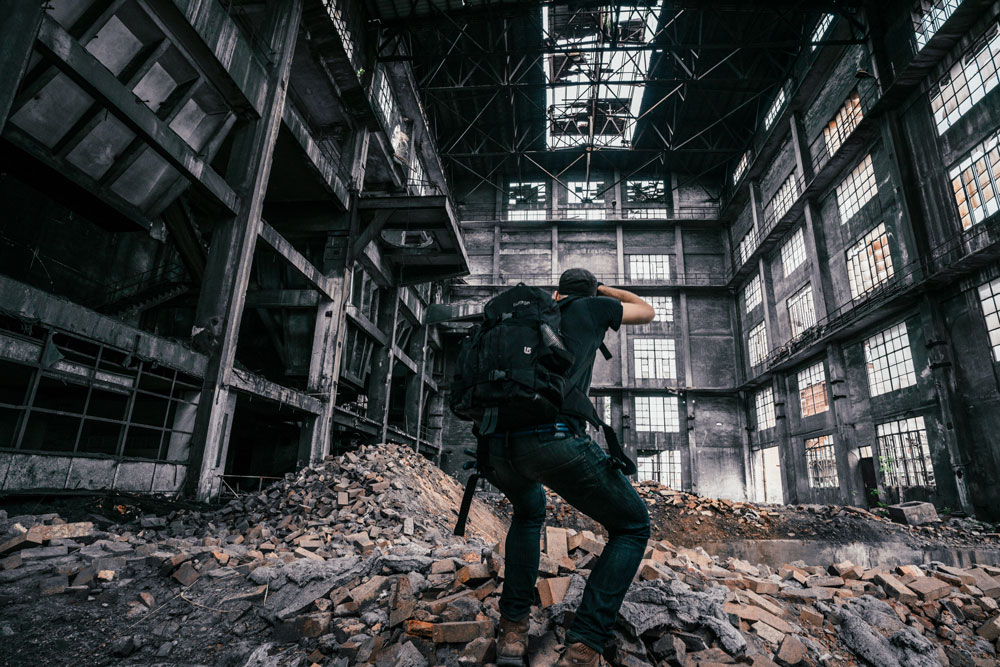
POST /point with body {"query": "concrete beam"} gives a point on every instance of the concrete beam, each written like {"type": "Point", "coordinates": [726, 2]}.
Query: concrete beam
{"type": "Point", "coordinates": [283, 298]}
{"type": "Point", "coordinates": [272, 391]}
{"type": "Point", "coordinates": [17, 36]}
{"type": "Point", "coordinates": [280, 245]}
{"type": "Point", "coordinates": [366, 325]}
{"type": "Point", "coordinates": [325, 170]}
{"type": "Point", "coordinates": [88, 73]}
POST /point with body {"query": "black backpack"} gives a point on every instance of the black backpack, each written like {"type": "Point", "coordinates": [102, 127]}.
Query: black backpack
{"type": "Point", "coordinates": [512, 373]}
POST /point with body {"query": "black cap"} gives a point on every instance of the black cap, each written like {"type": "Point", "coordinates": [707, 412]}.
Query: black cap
{"type": "Point", "coordinates": [577, 282]}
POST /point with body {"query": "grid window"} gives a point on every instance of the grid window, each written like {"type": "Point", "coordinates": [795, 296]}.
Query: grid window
{"type": "Point", "coordinates": [801, 310]}
{"type": "Point", "coordinates": [764, 408]}
{"type": "Point", "coordinates": [417, 178]}
{"type": "Point", "coordinates": [869, 262]}
{"type": "Point", "coordinates": [774, 109]}
{"type": "Point", "coordinates": [968, 81]}
{"type": "Point", "coordinates": [793, 252]}
{"type": "Point", "coordinates": [929, 17]}
{"type": "Point", "coordinates": [649, 267]}
{"type": "Point", "coordinates": [784, 197]}
{"type": "Point", "coordinates": [525, 193]}
{"type": "Point", "coordinates": [746, 246]}
{"type": "Point", "coordinates": [657, 213]}
{"type": "Point", "coordinates": [906, 456]}
{"type": "Point", "coordinates": [975, 181]}
{"type": "Point", "coordinates": [385, 99]}
{"type": "Point", "coordinates": [751, 294]}
{"type": "Point", "coordinates": [820, 30]}
{"type": "Point", "coordinates": [847, 118]}
{"type": "Point", "coordinates": [663, 467]}
{"type": "Point", "coordinates": [757, 344]}
{"type": "Point", "coordinates": [657, 414]}
{"type": "Point", "coordinates": [664, 307]}
{"type": "Point", "coordinates": [813, 398]}
{"type": "Point", "coordinates": [989, 299]}
{"type": "Point", "coordinates": [741, 167]}
{"type": "Point", "coordinates": [889, 362]}
{"type": "Point", "coordinates": [857, 189]}
{"type": "Point", "coordinates": [337, 16]}
{"type": "Point", "coordinates": [655, 358]}
{"type": "Point", "coordinates": [821, 460]}
{"type": "Point", "coordinates": [603, 406]}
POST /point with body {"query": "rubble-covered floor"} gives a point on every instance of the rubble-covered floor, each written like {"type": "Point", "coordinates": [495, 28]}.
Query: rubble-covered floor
{"type": "Point", "coordinates": [353, 563]}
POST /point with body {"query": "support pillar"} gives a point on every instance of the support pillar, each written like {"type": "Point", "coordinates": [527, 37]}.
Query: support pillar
{"type": "Point", "coordinates": [227, 272]}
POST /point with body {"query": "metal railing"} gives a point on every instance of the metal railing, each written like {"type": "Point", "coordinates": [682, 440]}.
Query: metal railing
{"type": "Point", "coordinates": [235, 484]}
{"type": "Point", "coordinates": [651, 213]}
{"type": "Point", "coordinates": [688, 278]}
{"type": "Point", "coordinates": [911, 276]}
{"type": "Point", "coordinates": [174, 273]}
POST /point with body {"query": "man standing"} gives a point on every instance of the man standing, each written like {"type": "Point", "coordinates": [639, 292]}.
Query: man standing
{"type": "Point", "coordinates": [563, 457]}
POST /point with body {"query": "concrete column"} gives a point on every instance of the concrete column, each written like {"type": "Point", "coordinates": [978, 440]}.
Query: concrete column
{"type": "Point", "coordinates": [767, 302]}
{"type": "Point", "coordinates": [415, 384]}
{"type": "Point", "coordinates": [803, 160]}
{"type": "Point", "coordinates": [496, 254]}
{"type": "Point", "coordinates": [380, 383]}
{"type": "Point", "coordinates": [682, 310]}
{"type": "Point", "coordinates": [689, 422]}
{"type": "Point", "coordinates": [781, 436]}
{"type": "Point", "coordinates": [555, 252]}
{"type": "Point", "coordinates": [756, 207]}
{"type": "Point", "coordinates": [18, 30]}
{"type": "Point", "coordinates": [939, 356]}
{"type": "Point", "coordinates": [227, 272]}
{"type": "Point", "coordinates": [819, 268]}
{"type": "Point", "coordinates": [846, 444]}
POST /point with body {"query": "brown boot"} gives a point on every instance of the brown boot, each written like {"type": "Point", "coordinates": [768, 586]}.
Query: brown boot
{"type": "Point", "coordinates": [512, 645]}
{"type": "Point", "coordinates": [579, 655]}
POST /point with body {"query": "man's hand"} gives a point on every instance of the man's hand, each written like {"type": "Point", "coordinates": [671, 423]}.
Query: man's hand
{"type": "Point", "coordinates": [634, 309]}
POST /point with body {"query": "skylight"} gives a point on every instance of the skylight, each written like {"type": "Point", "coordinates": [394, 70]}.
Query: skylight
{"type": "Point", "coordinates": [595, 69]}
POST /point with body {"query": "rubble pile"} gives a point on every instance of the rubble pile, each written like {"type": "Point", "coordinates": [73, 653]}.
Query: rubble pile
{"type": "Point", "coordinates": [352, 563]}
{"type": "Point", "coordinates": [686, 518]}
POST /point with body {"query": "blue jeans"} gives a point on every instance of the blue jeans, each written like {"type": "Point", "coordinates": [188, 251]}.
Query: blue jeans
{"type": "Point", "coordinates": [577, 469]}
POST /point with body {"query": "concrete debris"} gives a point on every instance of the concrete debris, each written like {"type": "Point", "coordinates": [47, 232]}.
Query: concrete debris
{"type": "Point", "coordinates": [351, 563]}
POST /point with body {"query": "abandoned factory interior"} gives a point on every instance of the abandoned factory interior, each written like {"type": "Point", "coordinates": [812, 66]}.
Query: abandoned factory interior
{"type": "Point", "coordinates": [242, 242]}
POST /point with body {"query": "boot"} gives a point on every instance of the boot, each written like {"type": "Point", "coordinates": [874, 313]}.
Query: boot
{"type": "Point", "coordinates": [579, 655]}
{"type": "Point", "coordinates": [512, 645]}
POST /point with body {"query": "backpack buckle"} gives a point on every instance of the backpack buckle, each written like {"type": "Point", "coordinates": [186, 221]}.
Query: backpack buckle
{"type": "Point", "coordinates": [498, 375]}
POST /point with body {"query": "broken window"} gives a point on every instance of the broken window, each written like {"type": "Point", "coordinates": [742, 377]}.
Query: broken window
{"type": "Point", "coordinates": [801, 312]}
{"type": "Point", "coordinates": [741, 167]}
{"type": "Point", "coordinates": [657, 414]}
{"type": "Point", "coordinates": [975, 181]}
{"type": "Point", "coordinates": [793, 252]}
{"type": "Point", "coordinates": [751, 294]}
{"type": "Point", "coordinates": [821, 462]}
{"type": "Point", "coordinates": [596, 61]}
{"type": "Point", "coordinates": [847, 118]}
{"type": "Point", "coordinates": [764, 408]}
{"type": "Point", "coordinates": [989, 300]}
{"type": "Point", "coordinates": [526, 200]}
{"type": "Point", "coordinates": [757, 344]}
{"type": "Point", "coordinates": [655, 358]}
{"type": "Point", "coordinates": [869, 262]}
{"type": "Point", "coordinates": [968, 81]}
{"type": "Point", "coordinates": [889, 362]}
{"type": "Point", "coordinates": [812, 390]}
{"type": "Point", "coordinates": [857, 189]}
{"type": "Point", "coordinates": [660, 466]}
{"type": "Point", "coordinates": [905, 455]}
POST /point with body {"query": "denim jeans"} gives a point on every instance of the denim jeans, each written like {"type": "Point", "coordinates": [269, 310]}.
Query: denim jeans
{"type": "Point", "coordinates": [577, 469]}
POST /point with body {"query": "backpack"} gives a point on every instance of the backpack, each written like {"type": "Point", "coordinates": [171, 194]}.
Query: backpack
{"type": "Point", "coordinates": [512, 372]}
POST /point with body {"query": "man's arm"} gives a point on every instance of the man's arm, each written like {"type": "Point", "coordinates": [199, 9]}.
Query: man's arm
{"type": "Point", "coordinates": [634, 309]}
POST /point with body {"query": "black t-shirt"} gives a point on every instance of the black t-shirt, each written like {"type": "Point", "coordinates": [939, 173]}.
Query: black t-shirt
{"type": "Point", "coordinates": [584, 323]}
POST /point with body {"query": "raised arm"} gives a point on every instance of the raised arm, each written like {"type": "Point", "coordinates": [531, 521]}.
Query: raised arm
{"type": "Point", "coordinates": [634, 309]}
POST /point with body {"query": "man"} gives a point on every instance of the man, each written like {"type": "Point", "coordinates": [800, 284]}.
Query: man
{"type": "Point", "coordinates": [562, 457]}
